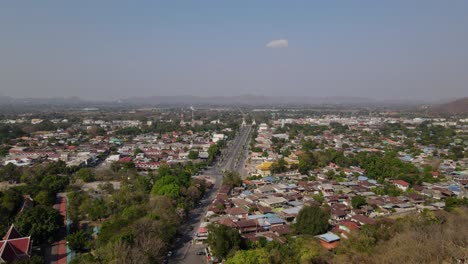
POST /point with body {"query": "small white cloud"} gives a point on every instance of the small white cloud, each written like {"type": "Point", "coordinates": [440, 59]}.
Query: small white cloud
{"type": "Point", "coordinates": [277, 43]}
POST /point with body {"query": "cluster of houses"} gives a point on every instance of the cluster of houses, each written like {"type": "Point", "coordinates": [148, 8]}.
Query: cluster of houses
{"type": "Point", "coordinates": [268, 206]}
{"type": "Point", "coordinates": [80, 149]}
{"type": "Point", "coordinates": [266, 153]}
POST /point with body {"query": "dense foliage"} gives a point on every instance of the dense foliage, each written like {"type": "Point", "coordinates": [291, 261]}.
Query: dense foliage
{"type": "Point", "coordinates": [10, 203]}
{"type": "Point", "coordinates": [41, 222]}
{"type": "Point", "coordinates": [140, 220]}
{"type": "Point", "coordinates": [224, 241]}
{"type": "Point", "coordinates": [8, 132]}
{"type": "Point", "coordinates": [304, 249]}
{"type": "Point", "coordinates": [312, 220]}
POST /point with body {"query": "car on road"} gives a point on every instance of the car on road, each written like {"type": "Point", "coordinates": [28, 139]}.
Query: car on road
{"type": "Point", "coordinates": [169, 253]}
{"type": "Point", "coordinates": [201, 253]}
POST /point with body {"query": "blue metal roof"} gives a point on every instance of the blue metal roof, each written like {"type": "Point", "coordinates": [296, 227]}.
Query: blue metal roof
{"type": "Point", "coordinates": [270, 215]}
{"type": "Point", "coordinates": [259, 216]}
{"type": "Point", "coordinates": [268, 178]}
{"type": "Point", "coordinates": [362, 178]}
{"type": "Point", "coordinates": [293, 210]}
{"type": "Point", "coordinates": [454, 188]}
{"type": "Point", "coordinates": [296, 203]}
{"type": "Point", "coordinates": [247, 192]}
{"type": "Point", "coordinates": [275, 220]}
{"type": "Point", "coordinates": [329, 237]}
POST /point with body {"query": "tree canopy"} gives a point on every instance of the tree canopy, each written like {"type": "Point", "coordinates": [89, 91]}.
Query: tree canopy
{"type": "Point", "coordinates": [86, 175]}
{"type": "Point", "coordinates": [41, 222]}
{"type": "Point", "coordinates": [358, 201]}
{"type": "Point", "coordinates": [78, 241]}
{"type": "Point", "coordinates": [312, 220]}
{"type": "Point", "coordinates": [223, 240]}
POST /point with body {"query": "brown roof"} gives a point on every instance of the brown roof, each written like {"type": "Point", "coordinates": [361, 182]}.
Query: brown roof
{"type": "Point", "coordinates": [338, 212]}
{"type": "Point", "coordinates": [362, 219]}
{"type": "Point", "coordinates": [237, 211]}
{"type": "Point", "coordinates": [246, 223]}
{"type": "Point", "coordinates": [227, 222]}
{"type": "Point", "coordinates": [264, 209]}
{"type": "Point", "coordinates": [240, 202]}
{"type": "Point", "coordinates": [281, 229]}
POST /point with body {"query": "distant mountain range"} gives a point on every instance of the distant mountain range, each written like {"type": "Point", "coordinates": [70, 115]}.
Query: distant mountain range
{"type": "Point", "coordinates": [456, 107]}
{"type": "Point", "coordinates": [260, 100]}
{"type": "Point", "coordinates": [41, 101]}
{"type": "Point", "coordinates": [241, 100]}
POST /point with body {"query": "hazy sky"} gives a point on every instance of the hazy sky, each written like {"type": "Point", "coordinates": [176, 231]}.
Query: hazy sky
{"type": "Point", "coordinates": [101, 49]}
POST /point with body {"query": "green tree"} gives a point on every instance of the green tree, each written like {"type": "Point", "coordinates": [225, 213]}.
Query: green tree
{"type": "Point", "coordinates": [171, 190]}
{"type": "Point", "coordinates": [78, 241]}
{"type": "Point", "coordinates": [86, 175]}
{"type": "Point", "coordinates": [44, 198]}
{"type": "Point", "coordinates": [32, 260]}
{"type": "Point", "coordinates": [10, 202]}
{"type": "Point", "coordinates": [137, 151]}
{"type": "Point", "coordinates": [41, 222]}
{"type": "Point", "coordinates": [193, 154]}
{"type": "Point", "coordinates": [312, 220]}
{"type": "Point", "coordinates": [232, 178]}
{"type": "Point", "coordinates": [53, 183]}
{"type": "Point", "coordinates": [223, 240]}
{"type": "Point", "coordinates": [358, 201]}
{"type": "Point", "coordinates": [96, 209]}
{"type": "Point", "coordinates": [255, 256]}
{"type": "Point", "coordinates": [10, 173]}
{"type": "Point", "coordinates": [457, 152]}
{"type": "Point", "coordinates": [278, 166]}
{"type": "Point", "coordinates": [4, 150]}
{"type": "Point", "coordinates": [307, 162]}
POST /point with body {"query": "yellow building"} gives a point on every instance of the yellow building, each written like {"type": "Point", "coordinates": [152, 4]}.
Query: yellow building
{"type": "Point", "coordinates": [264, 168]}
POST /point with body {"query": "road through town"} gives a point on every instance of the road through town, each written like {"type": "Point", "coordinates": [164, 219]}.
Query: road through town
{"type": "Point", "coordinates": [184, 251]}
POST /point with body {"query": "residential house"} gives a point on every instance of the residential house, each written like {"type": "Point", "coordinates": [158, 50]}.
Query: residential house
{"type": "Point", "coordinates": [329, 240]}
{"type": "Point", "coordinates": [401, 184]}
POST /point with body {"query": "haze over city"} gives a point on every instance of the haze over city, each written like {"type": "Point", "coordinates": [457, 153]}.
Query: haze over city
{"type": "Point", "coordinates": [106, 50]}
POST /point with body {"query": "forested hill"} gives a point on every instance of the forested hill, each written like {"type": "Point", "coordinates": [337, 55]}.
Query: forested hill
{"type": "Point", "coordinates": [457, 107]}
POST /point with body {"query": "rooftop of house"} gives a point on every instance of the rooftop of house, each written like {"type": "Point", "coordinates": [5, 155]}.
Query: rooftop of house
{"type": "Point", "coordinates": [329, 237]}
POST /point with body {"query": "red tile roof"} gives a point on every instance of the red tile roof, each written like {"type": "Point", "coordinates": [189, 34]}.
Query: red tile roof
{"type": "Point", "coordinates": [125, 159]}
{"type": "Point", "coordinates": [401, 182]}
{"type": "Point", "coordinates": [12, 233]}
{"type": "Point", "coordinates": [14, 246]}
{"type": "Point", "coordinates": [350, 225]}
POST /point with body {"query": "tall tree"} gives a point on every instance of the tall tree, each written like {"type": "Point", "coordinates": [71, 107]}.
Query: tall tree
{"type": "Point", "coordinates": [358, 201]}
{"type": "Point", "coordinates": [78, 241]}
{"type": "Point", "coordinates": [41, 222]}
{"type": "Point", "coordinates": [312, 220]}
{"type": "Point", "coordinates": [86, 175]}
{"type": "Point", "coordinates": [223, 240]}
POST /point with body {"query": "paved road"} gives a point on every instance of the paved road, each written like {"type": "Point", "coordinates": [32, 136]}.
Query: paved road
{"type": "Point", "coordinates": [58, 250]}
{"type": "Point", "coordinates": [184, 251]}
{"type": "Point", "coordinates": [237, 151]}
